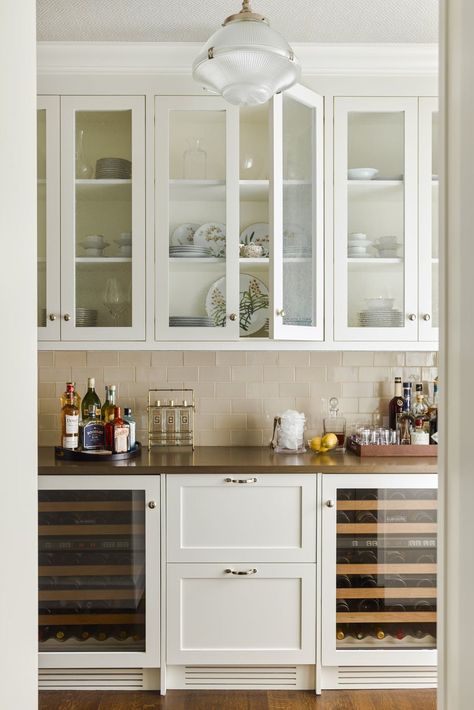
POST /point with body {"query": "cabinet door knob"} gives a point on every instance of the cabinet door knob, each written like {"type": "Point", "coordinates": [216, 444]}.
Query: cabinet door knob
{"type": "Point", "coordinates": [281, 312]}
{"type": "Point", "coordinates": [67, 317]}
{"type": "Point", "coordinates": [330, 503]}
{"type": "Point", "coordinates": [152, 504]}
{"type": "Point", "coordinates": [427, 316]}
{"type": "Point", "coordinates": [233, 316]}
{"type": "Point", "coordinates": [241, 572]}
{"type": "Point", "coordinates": [412, 316]}
{"type": "Point", "coordinates": [240, 480]}
{"type": "Point", "coordinates": [52, 316]}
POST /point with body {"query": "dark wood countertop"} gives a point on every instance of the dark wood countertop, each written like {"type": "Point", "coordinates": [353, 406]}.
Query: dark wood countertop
{"type": "Point", "coordinates": [237, 459]}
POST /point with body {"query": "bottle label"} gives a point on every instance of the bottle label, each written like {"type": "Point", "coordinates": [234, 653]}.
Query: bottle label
{"type": "Point", "coordinates": [71, 442]}
{"type": "Point", "coordinates": [93, 436]}
{"type": "Point", "coordinates": [120, 439]}
{"type": "Point", "coordinates": [72, 423]}
{"type": "Point", "coordinates": [420, 437]}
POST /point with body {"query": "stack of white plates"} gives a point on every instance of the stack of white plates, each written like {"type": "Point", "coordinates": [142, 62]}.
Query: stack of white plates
{"type": "Point", "coordinates": [86, 317]}
{"type": "Point", "coordinates": [191, 322]}
{"type": "Point", "coordinates": [113, 169]}
{"type": "Point", "coordinates": [381, 318]}
{"type": "Point", "coordinates": [304, 252]}
{"type": "Point", "coordinates": [189, 250]}
{"type": "Point", "coordinates": [297, 320]}
{"type": "Point", "coordinates": [357, 248]}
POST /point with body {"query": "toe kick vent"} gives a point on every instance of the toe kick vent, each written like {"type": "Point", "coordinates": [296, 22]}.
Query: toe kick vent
{"type": "Point", "coordinates": [234, 677]}
{"type": "Point", "coordinates": [91, 679]}
{"type": "Point", "coordinates": [387, 677]}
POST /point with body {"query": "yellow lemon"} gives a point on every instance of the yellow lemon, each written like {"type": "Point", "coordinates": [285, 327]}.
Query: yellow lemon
{"type": "Point", "coordinates": [315, 443]}
{"type": "Point", "coordinates": [329, 441]}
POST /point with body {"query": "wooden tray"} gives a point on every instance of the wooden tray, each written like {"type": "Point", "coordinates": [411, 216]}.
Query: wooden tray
{"type": "Point", "coordinates": [391, 449]}
{"type": "Point", "coordinates": [70, 455]}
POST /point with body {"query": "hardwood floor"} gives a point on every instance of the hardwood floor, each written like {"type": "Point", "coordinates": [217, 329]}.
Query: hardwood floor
{"type": "Point", "coordinates": [242, 700]}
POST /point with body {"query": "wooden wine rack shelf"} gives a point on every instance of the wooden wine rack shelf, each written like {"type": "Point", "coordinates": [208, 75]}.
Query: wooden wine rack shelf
{"type": "Point", "coordinates": [73, 530]}
{"type": "Point", "coordinates": [89, 570]}
{"type": "Point", "coordinates": [89, 619]}
{"type": "Point", "coordinates": [381, 528]}
{"type": "Point", "coordinates": [387, 593]}
{"type": "Point", "coordinates": [385, 617]}
{"type": "Point", "coordinates": [387, 504]}
{"type": "Point", "coordinates": [386, 569]}
{"type": "Point", "coordinates": [72, 506]}
{"type": "Point", "coordinates": [90, 594]}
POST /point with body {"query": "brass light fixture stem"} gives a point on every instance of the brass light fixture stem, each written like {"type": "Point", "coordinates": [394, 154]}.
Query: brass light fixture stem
{"type": "Point", "coordinates": [245, 14]}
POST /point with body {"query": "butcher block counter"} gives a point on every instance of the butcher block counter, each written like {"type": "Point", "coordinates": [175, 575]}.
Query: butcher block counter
{"type": "Point", "coordinates": [237, 459]}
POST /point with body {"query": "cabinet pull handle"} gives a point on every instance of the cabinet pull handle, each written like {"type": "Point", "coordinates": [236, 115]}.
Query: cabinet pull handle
{"type": "Point", "coordinates": [52, 316]}
{"type": "Point", "coordinates": [240, 480]}
{"type": "Point", "coordinates": [330, 503]}
{"type": "Point", "coordinates": [412, 316]}
{"type": "Point", "coordinates": [233, 316]}
{"type": "Point", "coordinates": [427, 316]}
{"type": "Point", "coordinates": [241, 572]}
{"type": "Point", "coordinates": [67, 317]}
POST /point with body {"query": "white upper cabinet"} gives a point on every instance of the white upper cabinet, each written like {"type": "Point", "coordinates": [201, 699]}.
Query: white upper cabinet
{"type": "Point", "coordinates": [238, 215]}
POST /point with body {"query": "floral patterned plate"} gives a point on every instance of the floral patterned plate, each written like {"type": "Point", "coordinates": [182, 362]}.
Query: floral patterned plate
{"type": "Point", "coordinates": [258, 233]}
{"type": "Point", "coordinates": [184, 234]}
{"type": "Point", "coordinates": [212, 236]}
{"type": "Point", "coordinates": [253, 307]}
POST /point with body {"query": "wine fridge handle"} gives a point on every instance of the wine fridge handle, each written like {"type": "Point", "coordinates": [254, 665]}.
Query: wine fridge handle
{"type": "Point", "coordinates": [330, 504]}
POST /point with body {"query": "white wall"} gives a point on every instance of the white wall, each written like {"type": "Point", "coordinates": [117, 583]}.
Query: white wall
{"type": "Point", "coordinates": [457, 359]}
{"type": "Point", "coordinates": [18, 607]}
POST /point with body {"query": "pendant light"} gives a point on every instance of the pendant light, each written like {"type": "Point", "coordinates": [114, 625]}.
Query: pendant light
{"type": "Point", "coordinates": [245, 60]}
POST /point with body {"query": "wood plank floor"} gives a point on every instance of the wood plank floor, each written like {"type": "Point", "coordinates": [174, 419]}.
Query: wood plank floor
{"type": "Point", "coordinates": [241, 700]}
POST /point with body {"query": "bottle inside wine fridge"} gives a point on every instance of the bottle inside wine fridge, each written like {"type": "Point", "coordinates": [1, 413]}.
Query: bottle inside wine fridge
{"type": "Point", "coordinates": [386, 568]}
{"type": "Point", "coordinates": [91, 570]}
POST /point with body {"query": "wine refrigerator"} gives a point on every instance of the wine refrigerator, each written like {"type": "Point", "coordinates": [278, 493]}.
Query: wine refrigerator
{"type": "Point", "coordinates": [379, 569]}
{"type": "Point", "coordinates": [98, 553]}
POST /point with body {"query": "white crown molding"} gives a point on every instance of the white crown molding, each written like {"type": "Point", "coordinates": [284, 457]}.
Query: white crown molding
{"type": "Point", "coordinates": [158, 58]}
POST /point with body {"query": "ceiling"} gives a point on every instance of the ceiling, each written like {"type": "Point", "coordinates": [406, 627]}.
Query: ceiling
{"type": "Point", "coordinates": [193, 21]}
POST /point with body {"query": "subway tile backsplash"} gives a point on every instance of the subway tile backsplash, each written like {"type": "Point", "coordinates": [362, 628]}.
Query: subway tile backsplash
{"type": "Point", "coordinates": [237, 393]}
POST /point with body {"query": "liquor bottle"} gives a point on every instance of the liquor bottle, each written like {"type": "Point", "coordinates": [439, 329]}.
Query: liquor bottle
{"type": "Point", "coordinates": [117, 433]}
{"type": "Point", "coordinates": [91, 400]}
{"type": "Point", "coordinates": [91, 429]}
{"type": "Point", "coordinates": [395, 406]}
{"type": "Point", "coordinates": [70, 421]}
{"type": "Point", "coordinates": [107, 411]}
{"type": "Point", "coordinates": [406, 419]}
{"type": "Point", "coordinates": [419, 436]}
{"type": "Point", "coordinates": [77, 398]}
{"type": "Point", "coordinates": [433, 414]}
{"type": "Point", "coordinates": [420, 406]}
{"type": "Point", "coordinates": [127, 415]}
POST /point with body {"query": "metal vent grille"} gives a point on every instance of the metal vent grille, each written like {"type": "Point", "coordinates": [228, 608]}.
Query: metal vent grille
{"type": "Point", "coordinates": [91, 679]}
{"type": "Point", "coordinates": [233, 677]}
{"type": "Point", "coordinates": [387, 677]}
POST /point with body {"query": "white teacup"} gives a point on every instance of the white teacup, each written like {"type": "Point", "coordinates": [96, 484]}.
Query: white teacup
{"type": "Point", "coordinates": [357, 235]}
{"type": "Point", "coordinates": [93, 241]}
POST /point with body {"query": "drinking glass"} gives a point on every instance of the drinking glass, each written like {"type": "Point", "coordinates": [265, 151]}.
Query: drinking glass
{"type": "Point", "coordinates": [114, 300]}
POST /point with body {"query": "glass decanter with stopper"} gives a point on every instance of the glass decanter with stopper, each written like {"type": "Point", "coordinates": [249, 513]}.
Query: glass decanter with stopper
{"type": "Point", "coordinates": [335, 424]}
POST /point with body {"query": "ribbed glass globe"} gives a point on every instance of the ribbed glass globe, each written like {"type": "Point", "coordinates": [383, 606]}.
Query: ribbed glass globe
{"type": "Point", "coordinates": [250, 62]}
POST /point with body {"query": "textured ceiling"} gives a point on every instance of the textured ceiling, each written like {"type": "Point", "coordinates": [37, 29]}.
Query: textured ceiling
{"type": "Point", "coordinates": [194, 21]}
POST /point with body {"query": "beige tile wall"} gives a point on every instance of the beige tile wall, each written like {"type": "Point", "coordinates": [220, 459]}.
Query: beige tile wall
{"type": "Point", "coordinates": [237, 393]}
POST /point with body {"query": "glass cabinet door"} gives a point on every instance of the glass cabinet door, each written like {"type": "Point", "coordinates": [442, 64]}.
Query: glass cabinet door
{"type": "Point", "coordinates": [103, 218]}
{"type": "Point", "coordinates": [197, 195]}
{"type": "Point", "coordinates": [96, 591]}
{"type": "Point", "coordinates": [375, 219]}
{"type": "Point", "coordinates": [429, 219]}
{"type": "Point", "coordinates": [380, 570]}
{"type": "Point", "coordinates": [48, 213]}
{"type": "Point", "coordinates": [297, 215]}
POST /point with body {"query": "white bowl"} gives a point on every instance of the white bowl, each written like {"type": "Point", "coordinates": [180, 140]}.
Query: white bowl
{"type": "Point", "coordinates": [94, 252]}
{"type": "Point", "coordinates": [358, 243]}
{"type": "Point", "coordinates": [125, 239]}
{"type": "Point", "coordinates": [388, 253]}
{"type": "Point", "coordinates": [357, 235]}
{"type": "Point", "coordinates": [379, 302]}
{"type": "Point", "coordinates": [388, 241]}
{"type": "Point", "coordinates": [93, 241]}
{"type": "Point", "coordinates": [362, 173]}
{"type": "Point", "coordinates": [125, 250]}
{"type": "Point", "coordinates": [357, 251]}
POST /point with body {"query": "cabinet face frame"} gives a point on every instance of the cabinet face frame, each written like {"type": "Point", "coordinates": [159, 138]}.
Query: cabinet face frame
{"type": "Point", "coordinates": [150, 658]}
{"type": "Point", "coordinates": [214, 485]}
{"type": "Point", "coordinates": [278, 330]}
{"type": "Point", "coordinates": [52, 329]}
{"type": "Point", "coordinates": [164, 105]}
{"type": "Point", "coordinates": [331, 655]}
{"type": "Point", "coordinates": [427, 108]}
{"type": "Point", "coordinates": [69, 106]}
{"type": "Point", "coordinates": [342, 108]}
{"type": "Point", "coordinates": [177, 654]}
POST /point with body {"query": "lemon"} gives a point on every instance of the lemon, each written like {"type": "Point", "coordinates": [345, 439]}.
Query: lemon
{"type": "Point", "coordinates": [329, 441]}
{"type": "Point", "coordinates": [315, 443]}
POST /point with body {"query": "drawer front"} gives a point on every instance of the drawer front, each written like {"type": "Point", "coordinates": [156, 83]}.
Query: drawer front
{"type": "Point", "coordinates": [265, 616]}
{"type": "Point", "coordinates": [218, 518]}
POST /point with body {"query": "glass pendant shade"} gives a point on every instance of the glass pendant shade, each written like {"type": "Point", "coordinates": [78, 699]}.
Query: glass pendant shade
{"type": "Point", "coordinates": [246, 61]}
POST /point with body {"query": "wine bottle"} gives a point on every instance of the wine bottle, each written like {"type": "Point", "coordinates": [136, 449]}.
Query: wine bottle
{"type": "Point", "coordinates": [423, 605]}
{"type": "Point", "coordinates": [342, 580]}
{"type": "Point", "coordinates": [423, 516]}
{"type": "Point", "coordinates": [108, 407]}
{"type": "Point", "coordinates": [366, 516]}
{"type": "Point", "coordinates": [379, 633]}
{"type": "Point", "coordinates": [70, 421]}
{"type": "Point", "coordinates": [395, 406]}
{"type": "Point", "coordinates": [397, 608]}
{"type": "Point", "coordinates": [426, 558]}
{"type": "Point", "coordinates": [367, 580]}
{"type": "Point", "coordinates": [343, 517]}
{"type": "Point", "coordinates": [340, 633]}
{"type": "Point", "coordinates": [394, 557]}
{"type": "Point", "coordinates": [400, 633]}
{"type": "Point", "coordinates": [91, 402]}
{"type": "Point", "coordinates": [360, 632]}
{"type": "Point", "coordinates": [368, 605]}
{"type": "Point", "coordinates": [342, 606]}
{"type": "Point", "coordinates": [100, 634]}
{"type": "Point", "coordinates": [394, 580]}
{"type": "Point", "coordinates": [367, 557]}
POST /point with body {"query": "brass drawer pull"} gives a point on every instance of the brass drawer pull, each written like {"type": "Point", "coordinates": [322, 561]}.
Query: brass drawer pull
{"type": "Point", "coordinates": [241, 572]}
{"type": "Point", "coordinates": [240, 480]}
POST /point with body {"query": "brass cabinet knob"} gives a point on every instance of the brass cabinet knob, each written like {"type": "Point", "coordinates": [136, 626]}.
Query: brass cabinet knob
{"type": "Point", "coordinates": [427, 317]}
{"type": "Point", "coordinates": [412, 316]}
{"type": "Point", "coordinates": [67, 317]}
{"type": "Point", "coordinates": [233, 316]}
{"type": "Point", "coordinates": [281, 312]}
{"type": "Point", "coordinates": [152, 504]}
{"type": "Point", "coordinates": [52, 316]}
{"type": "Point", "coordinates": [330, 503]}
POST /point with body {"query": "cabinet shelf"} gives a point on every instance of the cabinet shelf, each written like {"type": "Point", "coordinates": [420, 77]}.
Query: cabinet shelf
{"type": "Point", "coordinates": [385, 617]}
{"type": "Point", "coordinates": [197, 190]}
{"type": "Point", "coordinates": [90, 619]}
{"type": "Point", "coordinates": [70, 506]}
{"type": "Point", "coordinates": [50, 530]}
{"type": "Point", "coordinates": [254, 190]}
{"type": "Point", "coordinates": [374, 260]}
{"type": "Point", "coordinates": [386, 593]}
{"type": "Point", "coordinates": [103, 190]}
{"type": "Point", "coordinates": [428, 568]}
{"type": "Point", "coordinates": [383, 528]}
{"type": "Point", "coordinates": [103, 259]}
{"type": "Point", "coordinates": [387, 504]}
{"type": "Point", "coordinates": [374, 184]}
{"type": "Point", "coordinates": [89, 594]}
{"type": "Point", "coordinates": [89, 570]}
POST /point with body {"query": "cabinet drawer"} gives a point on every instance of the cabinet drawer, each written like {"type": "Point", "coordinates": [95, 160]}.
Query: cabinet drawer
{"type": "Point", "coordinates": [224, 518]}
{"type": "Point", "coordinates": [264, 616]}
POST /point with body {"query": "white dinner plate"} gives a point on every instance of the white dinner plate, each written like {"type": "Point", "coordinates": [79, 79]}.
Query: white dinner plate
{"type": "Point", "coordinates": [184, 234]}
{"type": "Point", "coordinates": [211, 236]}
{"type": "Point", "coordinates": [253, 307]}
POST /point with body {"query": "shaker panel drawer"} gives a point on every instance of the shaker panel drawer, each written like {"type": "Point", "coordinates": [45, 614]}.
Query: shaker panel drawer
{"type": "Point", "coordinates": [268, 518]}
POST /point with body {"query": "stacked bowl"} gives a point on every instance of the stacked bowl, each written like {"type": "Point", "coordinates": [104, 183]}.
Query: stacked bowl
{"type": "Point", "coordinates": [94, 245]}
{"type": "Point", "coordinates": [357, 245]}
{"type": "Point", "coordinates": [113, 169]}
{"type": "Point", "coordinates": [124, 242]}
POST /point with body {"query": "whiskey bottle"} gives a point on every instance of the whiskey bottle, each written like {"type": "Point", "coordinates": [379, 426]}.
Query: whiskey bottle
{"type": "Point", "coordinates": [70, 421]}
{"type": "Point", "coordinates": [77, 398]}
{"type": "Point", "coordinates": [91, 399]}
{"type": "Point", "coordinates": [395, 406]}
{"type": "Point", "coordinates": [91, 429]}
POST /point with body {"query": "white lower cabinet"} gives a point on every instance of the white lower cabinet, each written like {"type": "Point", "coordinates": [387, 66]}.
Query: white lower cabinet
{"type": "Point", "coordinates": [241, 613]}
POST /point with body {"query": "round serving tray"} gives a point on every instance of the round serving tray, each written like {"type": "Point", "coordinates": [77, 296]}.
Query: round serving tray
{"type": "Point", "coordinates": [102, 455]}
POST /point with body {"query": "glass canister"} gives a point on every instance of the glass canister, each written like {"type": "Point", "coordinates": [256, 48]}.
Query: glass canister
{"type": "Point", "coordinates": [335, 423]}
